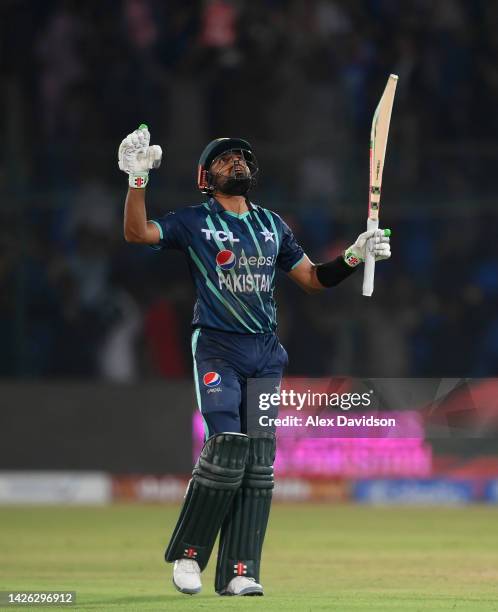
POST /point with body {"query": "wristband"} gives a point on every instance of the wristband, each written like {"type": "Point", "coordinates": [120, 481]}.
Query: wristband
{"type": "Point", "coordinates": [333, 272]}
{"type": "Point", "coordinates": [138, 180]}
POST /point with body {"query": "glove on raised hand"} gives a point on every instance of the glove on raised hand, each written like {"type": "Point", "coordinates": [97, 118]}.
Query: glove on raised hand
{"type": "Point", "coordinates": [136, 157]}
{"type": "Point", "coordinates": [376, 241]}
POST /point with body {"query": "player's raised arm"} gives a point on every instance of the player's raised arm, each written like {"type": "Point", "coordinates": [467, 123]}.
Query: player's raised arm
{"type": "Point", "coordinates": [136, 158]}
{"type": "Point", "coordinates": [315, 277]}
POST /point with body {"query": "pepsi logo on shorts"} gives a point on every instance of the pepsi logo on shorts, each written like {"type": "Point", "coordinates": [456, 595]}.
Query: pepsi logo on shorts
{"type": "Point", "coordinates": [225, 259]}
{"type": "Point", "coordinates": [211, 379]}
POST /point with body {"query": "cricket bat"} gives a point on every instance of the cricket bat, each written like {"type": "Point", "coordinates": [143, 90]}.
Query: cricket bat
{"type": "Point", "coordinates": [378, 142]}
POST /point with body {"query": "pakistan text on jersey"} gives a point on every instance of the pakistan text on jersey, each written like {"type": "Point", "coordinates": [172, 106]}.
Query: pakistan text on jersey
{"type": "Point", "coordinates": [245, 283]}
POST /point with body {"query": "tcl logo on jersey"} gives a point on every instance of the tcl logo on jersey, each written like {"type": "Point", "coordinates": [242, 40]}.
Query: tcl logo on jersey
{"type": "Point", "coordinates": [226, 260]}
{"type": "Point", "coordinates": [211, 379]}
{"type": "Point", "coordinates": [219, 235]}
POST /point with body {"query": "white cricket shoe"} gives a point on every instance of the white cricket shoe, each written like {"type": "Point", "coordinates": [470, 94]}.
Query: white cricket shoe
{"type": "Point", "coordinates": [187, 576]}
{"type": "Point", "coordinates": [240, 585]}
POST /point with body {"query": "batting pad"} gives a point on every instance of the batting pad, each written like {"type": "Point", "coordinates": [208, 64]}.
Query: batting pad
{"type": "Point", "coordinates": [243, 530]}
{"type": "Point", "coordinates": [215, 479]}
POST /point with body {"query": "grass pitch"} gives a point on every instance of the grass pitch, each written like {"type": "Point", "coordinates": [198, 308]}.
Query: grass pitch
{"type": "Point", "coordinates": [316, 558]}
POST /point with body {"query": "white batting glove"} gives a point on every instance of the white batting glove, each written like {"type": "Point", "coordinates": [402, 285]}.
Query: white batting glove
{"type": "Point", "coordinates": [376, 241]}
{"type": "Point", "coordinates": [136, 157]}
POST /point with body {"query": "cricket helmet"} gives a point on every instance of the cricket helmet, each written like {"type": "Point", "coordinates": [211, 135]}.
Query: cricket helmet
{"type": "Point", "coordinates": [234, 184]}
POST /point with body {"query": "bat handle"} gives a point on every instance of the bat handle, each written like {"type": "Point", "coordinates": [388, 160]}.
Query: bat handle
{"type": "Point", "coordinates": [369, 270]}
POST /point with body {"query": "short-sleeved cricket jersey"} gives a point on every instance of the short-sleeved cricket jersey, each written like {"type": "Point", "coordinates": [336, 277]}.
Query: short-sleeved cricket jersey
{"type": "Point", "coordinates": [232, 260]}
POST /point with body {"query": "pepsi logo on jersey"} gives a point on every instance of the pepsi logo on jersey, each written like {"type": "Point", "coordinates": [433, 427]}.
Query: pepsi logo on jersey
{"type": "Point", "coordinates": [225, 259]}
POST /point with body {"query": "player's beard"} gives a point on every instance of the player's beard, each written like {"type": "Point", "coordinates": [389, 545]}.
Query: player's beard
{"type": "Point", "coordinates": [233, 185]}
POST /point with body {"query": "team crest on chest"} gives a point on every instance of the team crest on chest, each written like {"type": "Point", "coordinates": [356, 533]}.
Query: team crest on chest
{"type": "Point", "coordinates": [268, 235]}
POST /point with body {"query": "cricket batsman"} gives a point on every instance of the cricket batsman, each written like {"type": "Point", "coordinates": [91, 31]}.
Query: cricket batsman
{"type": "Point", "coordinates": [233, 247]}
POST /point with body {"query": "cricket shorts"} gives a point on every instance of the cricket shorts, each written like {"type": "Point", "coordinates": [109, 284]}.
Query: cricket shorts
{"type": "Point", "coordinates": [223, 361]}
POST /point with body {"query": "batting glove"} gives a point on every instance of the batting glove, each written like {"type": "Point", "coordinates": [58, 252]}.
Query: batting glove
{"type": "Point", "coordinates": [376, 241]}
{"type": "Point", "coordinates": [136, 157]}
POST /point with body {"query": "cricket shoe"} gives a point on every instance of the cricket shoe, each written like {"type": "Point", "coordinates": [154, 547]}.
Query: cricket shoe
{"type": "Point", "coordinates": [187, 576]}
{"type": "Point", "coordinates": [240, 585]}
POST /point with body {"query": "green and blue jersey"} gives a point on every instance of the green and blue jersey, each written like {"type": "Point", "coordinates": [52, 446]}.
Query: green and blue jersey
{"type": "Point", "coordinates": [232, 260]}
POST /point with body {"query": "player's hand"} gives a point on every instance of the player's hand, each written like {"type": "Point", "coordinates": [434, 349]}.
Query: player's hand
{"type": "Point", "coordinates": [136, 157]}
{"type": "Point", "coordinates": [376, 241]}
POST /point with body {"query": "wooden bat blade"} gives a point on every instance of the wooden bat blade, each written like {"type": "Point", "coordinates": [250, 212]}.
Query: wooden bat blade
{"type": "Point", "coordinates": [378, 143]}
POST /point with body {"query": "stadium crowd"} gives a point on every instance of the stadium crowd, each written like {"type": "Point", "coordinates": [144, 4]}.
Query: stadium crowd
{"type": "Point", "coordinates": [300, 81]}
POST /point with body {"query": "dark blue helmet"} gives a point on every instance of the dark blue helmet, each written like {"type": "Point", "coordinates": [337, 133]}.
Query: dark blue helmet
{"type": "Point", "coordinates": [235, 184]}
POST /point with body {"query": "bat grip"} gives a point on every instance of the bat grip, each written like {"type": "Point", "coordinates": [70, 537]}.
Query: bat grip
{"type": "Point", "coordinates": [369, 269]}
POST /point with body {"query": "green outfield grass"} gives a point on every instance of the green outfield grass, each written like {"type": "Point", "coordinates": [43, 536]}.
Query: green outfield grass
{"type": "Point", "coordinates": [316, 558]}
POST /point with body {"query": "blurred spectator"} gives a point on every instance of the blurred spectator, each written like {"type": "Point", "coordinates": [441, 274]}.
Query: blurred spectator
{"type": "Point", "coordinates": [162, 338]}
{"type": "Point", "coordinates": [118, 357]}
